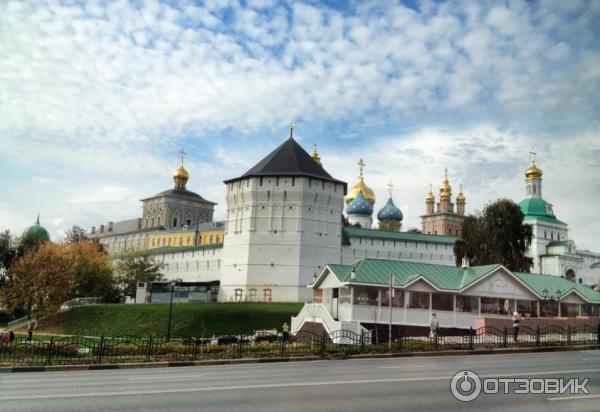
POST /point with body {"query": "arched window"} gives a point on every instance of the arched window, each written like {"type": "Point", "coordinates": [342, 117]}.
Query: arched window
{"type": "Point", "coordinates": [571, 275]}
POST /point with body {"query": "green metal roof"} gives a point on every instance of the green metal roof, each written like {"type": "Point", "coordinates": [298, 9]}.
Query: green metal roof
{"type": "Point", "coordinates": [449, 278]}
{"type": "Point", "coordinates": [538, 208]}
{"type": "Point", "coordinates": [377, 271]}
{"type": "Point", "coordinates": [391, 235]}
{"type": "Point", "coordinates": [553, 283]}
{"type": "Point", "coordinates": [559, 243]}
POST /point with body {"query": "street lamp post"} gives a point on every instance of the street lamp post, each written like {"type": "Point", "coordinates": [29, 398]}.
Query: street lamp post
{"type": "Point", "coordinates": [391, 295]}
{"type": "Point", "coordinates": [173, 283]}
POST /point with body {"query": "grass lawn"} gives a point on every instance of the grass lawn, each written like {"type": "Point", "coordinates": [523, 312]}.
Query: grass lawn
{"type": "Point", "coordinates": [188, 319]}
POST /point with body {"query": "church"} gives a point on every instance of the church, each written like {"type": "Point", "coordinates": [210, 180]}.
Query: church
{"type": "Point", "coordinates": [287, 218]}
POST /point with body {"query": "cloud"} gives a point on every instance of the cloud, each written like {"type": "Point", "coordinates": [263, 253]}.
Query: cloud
{"type": "Point", "coordinates": [96, 98]}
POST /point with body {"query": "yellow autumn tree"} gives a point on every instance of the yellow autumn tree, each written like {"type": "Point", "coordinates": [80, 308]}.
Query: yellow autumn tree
{"type": "Point", "coordinates": [92, 271]}
{"type": "Point", "coordinates": [42, 279]}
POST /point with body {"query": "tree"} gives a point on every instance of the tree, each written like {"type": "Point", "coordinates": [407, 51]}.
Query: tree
{"type": "Point", "coordinates": [92, 271]}
{"type": "Point", "coordinates": [75, 234]}
{"type": "Point", "coordinates": [27, 243]}
{"type": "Point", "coordinates": [134, 267]}
{"type": "Point", "coordinates": [41, 281]}
{"type": "Point", "coordinates": [498, 235]}
{"type": "Point", "coordinates": [7, 254]}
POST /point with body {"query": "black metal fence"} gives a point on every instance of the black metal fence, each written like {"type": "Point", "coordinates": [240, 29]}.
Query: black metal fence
{"type": "Point", "coordinates": [83, 350]}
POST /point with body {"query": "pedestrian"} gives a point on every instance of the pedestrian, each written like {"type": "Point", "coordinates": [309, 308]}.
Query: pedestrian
{"type": "Point", "coordinates": [434, 326]}
{"type": "Point", "coordinates": [516, 321]}
{"type": "Point", "coordinates": [30, 334]}
{"type": "Point", "coordinates": [11, 336]}
{"type": "Point", "coordinates": [286, 331]}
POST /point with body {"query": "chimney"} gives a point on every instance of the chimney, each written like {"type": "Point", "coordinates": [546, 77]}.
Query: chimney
{"type": "Point", "coordinates": [101, 228]}
{"type": "Point", "coordinates": [93, 230]}
{"type": "Point", "coordinates": [110, 226]}
{"type": "Point", "coordinates": [465, 262]}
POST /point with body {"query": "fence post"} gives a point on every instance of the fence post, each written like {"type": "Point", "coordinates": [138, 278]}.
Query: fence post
{"type": "Point", "coordinates": [196, 344]}
{"type": "Point", "coordinates": [149, 349]}
{"type": "Point", "coordinates": [400, 337]}
{"type": "Point", "coordinates": [323, 343]}
{"type": "Point", "coordinates": [50, 349]}
{"type": "Point", "coordinates": [537, 336]}
{"type": "Point", "coordinates": [283, 339]}
{"type": "Point", "coordinates": [362, 341]}
{"type": "Point", "coordinates": [100, 349]}
{"type": "Point", "coordinates": [505, 338]}
{"type": "Point", "coordinates": [568, 334]}
{"type": "Point", "coordinates": [239, 347]}
{"type": "Point", "coordinates": [471, 346]}
{"type": "Point", "coordinates": [598, 333]}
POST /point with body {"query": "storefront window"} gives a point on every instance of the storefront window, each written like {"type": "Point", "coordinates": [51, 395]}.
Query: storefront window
{"type": "Point", "coordinates": [417, 300]}
{"type": "Point", "coordinates": [527, 308]}
{"type": "Point", "coordinates": [489, 305]}
{"type": "Point", "coordinates": [345, 295]}
{"type": "Point", "coordinates": [467, 304]}
{"type": "Point", "coordinates": [365, 296]}
{"type": "Point", "coordinates": [442, 301]}
{"type": "Point", "coordinates": [397, 298]}
{"type": "Point", "coordinates": [548, 308]}
{"type": "Point", "coordinates": [569, 310]}
{"type": "Point", "coordinates": [590, 310]}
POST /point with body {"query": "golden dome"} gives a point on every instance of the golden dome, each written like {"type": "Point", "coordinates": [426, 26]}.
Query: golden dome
{"type": "Point", "coordinates": [315, 155]}
{"type": "Point", "coordinates": [361, 186]}
{"type": "Point", "coordinates": [181, 173]}
{"type": "Point", "coordinates": [446, 189]}
{"type": "Point", "coordinates": [430, 198]}
{"type": "Point", "coordinates": [533, 172]}
{"type": "Point", "coordinates": [460, 198]}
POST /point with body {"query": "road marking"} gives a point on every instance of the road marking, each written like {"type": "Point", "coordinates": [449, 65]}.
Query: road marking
{"type": "Point", "coordinates": [408, 366]}
{"type": "Point", "coordinates": [573, 398]}
{"type": "Point", "coordinates": [275, 385]}
{"type": "Point", "coordinates": [161, 377]}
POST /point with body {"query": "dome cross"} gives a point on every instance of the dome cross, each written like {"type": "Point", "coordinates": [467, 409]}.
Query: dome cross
{"type": "Point", "coordinates": [183, 153]}
{"type": "Point", "coordinates": [361, 165]}
{"type": "Point", "coordinates": [532, 154]}
{"type": "Point", "coordinates": [390, 185]}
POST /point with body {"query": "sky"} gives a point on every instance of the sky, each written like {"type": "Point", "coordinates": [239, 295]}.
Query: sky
{"type": "Point", "coordinates": [98, 97]}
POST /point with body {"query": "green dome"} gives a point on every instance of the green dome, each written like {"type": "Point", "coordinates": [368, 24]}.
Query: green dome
{"type": "Point", "coordinates": [537, 207]}
{"type": "Point", "coordinates": [38, 231]}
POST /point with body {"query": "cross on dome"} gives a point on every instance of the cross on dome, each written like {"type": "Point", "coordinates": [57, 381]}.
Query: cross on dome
{"type": "Point", "coordinates": [532, 153]}
{"type": "Point", "coordinates": [361, 165]}
{"type": "Point", "coordinates": [390, 185]}
{"type": "Point", "coordinates": [292, 127]}
{"type": "Point", "coordinates": [183, 153]}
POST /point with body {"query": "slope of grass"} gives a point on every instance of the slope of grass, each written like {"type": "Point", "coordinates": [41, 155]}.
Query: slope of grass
{"type": "Point", "coordinates": [188, 319]}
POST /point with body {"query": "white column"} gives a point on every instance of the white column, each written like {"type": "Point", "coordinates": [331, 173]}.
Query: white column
{"type": "Point", "coordinates": [538, 308]}
{"type": "Point", "coordinates": [430, 303]}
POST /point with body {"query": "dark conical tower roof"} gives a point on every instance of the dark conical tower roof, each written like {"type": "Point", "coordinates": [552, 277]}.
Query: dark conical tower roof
{"type": "Point", "coordinates": [289, 159]}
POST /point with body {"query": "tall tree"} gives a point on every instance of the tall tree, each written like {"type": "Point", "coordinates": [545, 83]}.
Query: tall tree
{"type": "Point", "coordinates": [75, 234]}
{"type": "Point", "coordinates": [134, 267]}
{"type": "Point", "coordinates": [41, 281]}
{"type": "Point", "coordinates": [497, 235]}
{"type": "Point", "coordinates": [7, 254]}
{"type": "Point", "coordinates": [92, 271]}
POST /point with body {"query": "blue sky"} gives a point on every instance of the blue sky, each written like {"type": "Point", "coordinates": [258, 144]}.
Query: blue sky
{"type": "Point", "coordinates": [97, 98]}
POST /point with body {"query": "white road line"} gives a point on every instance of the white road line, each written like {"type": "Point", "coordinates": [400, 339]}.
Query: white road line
{"type": "Point", "coordinates": [408, 366]}
{"type": "Point", "coordinates": [273, 385]}
{"type": "Point", "coordinates": [573, 398]}
{"type": "Point", "coordinates": [161, 377]}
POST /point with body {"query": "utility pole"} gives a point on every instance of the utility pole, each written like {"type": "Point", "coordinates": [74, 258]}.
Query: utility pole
{"type": "Point", "coordinates": [390, 297]}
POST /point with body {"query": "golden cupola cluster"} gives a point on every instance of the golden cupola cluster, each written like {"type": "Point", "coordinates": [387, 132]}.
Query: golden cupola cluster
{"type": "Point", "coordinates": [361, 187]}
{"type": "Point", "coordinates": [533, 172]}
{"type": "Point", "coordinates": [446, 189]}
{"type": "Point", "coordinates": [180, 175]}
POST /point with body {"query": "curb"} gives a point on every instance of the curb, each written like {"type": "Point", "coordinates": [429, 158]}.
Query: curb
{"type": "Point", "coordinates": [214, 362]}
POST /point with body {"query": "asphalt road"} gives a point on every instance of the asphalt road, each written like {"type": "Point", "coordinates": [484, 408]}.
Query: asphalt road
{"type": "Point", "coordinates": [400, 384]}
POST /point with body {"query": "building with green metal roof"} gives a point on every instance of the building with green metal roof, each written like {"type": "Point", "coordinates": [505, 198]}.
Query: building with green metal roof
{"type": "Point", "coordinates": [356, 296]}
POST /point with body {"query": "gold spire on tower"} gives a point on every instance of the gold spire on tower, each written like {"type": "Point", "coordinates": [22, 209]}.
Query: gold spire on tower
{"type": "Point", "coordinates": [180, 175]}
{"type": "Point", "coordinates": [533, 172]}
{"type": "Point", "coordinates": [315, 155]}
{"type": "Point", "coordinates": [430, 198]}
{"type": "Point", "coordinates": [446, 189]}
{"type": "Point", "coordinates": [460, 198]}
{"type": "Point", "coordinates": [361, 186]}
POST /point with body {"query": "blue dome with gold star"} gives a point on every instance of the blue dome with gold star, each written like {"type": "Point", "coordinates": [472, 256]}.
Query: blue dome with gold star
{"type": "Point", "coordinates": [390, 212]}
{"type": "Point", "coordinates": [359, 206]}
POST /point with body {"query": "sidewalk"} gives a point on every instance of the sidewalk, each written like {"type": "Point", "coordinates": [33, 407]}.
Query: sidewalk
{"type": "Point", "coordinates": [104, 366]}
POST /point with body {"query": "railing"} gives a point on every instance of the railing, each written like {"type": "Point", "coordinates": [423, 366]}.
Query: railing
{"type": "Point", "coordinates": [79, 302]}
{"type": "Point", "coordinates": [85, 350]}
